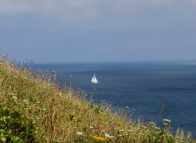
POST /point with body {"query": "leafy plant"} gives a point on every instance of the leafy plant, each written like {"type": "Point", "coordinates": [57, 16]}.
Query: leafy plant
{"type": "Point", "coordinates": [14, 127]}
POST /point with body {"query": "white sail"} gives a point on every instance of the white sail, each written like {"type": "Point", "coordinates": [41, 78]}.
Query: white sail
{"type": "Point", "coordinates": [94, 79]}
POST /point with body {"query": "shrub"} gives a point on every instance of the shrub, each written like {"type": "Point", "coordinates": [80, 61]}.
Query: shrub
{"type": "Point", "coordinates": [14, 127]}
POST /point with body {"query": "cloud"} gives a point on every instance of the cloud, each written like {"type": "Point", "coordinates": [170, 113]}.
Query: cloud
{"type": "Point", "coordinates": [84, 9]}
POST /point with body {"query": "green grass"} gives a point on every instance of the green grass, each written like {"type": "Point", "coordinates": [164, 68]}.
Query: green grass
{"type": "Point", "coordinates": [55, 113]}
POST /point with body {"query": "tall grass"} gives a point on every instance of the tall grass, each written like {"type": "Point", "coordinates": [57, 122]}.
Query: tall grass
{"type": "Point", "coordinates": [63, 115]}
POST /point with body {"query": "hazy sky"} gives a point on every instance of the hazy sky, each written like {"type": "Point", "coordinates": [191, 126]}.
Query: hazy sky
{"type": "Point", "coordinates": [64, 31]}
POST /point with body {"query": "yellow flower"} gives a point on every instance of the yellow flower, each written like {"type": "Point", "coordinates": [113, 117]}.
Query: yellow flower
{"type": "Point", "coordinates": [100, 138]}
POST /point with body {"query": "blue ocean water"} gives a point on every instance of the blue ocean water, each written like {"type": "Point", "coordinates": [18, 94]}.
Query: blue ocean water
{"type": "Point", "coordinates": [144, 88]}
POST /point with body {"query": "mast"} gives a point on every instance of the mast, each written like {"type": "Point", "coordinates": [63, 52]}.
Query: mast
{"type": "Point", "coordinates": [94, 79]}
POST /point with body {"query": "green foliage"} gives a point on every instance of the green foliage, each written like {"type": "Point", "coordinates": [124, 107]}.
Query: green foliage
{"type": "Point", "coordinates": [98, 109]}
{"type": "Point", "coordinates": [16, 128]}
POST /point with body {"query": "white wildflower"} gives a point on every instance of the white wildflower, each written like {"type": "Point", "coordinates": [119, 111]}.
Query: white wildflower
{"type": "Point", "coordinates": [91, 127]}
{"type": "Point", "coordinates": [79, 133]}
{"type": "Point", "coordinates": [152, 123]}
{"type": "Point", "coordinates": [166, 120]}
{"type": "Point", "coordinates": [14, 97]}
{"type": "Point", "coordinates": [121, 130]}
{"type": "Point", "coordinates": [119, 135]}
{"type": "Point", "coordinates": [108, 136]}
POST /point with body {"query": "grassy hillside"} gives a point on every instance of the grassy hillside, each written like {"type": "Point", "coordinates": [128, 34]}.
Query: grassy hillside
{"type": "Point", "coordinates": [35, 109]}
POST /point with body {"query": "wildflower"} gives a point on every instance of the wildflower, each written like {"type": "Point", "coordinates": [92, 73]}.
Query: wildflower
{"type": "Point", "coordinates": [165, 124]}
{"type": "Point", "coordinates": [91, 127]}
{"type": "Point", "coordinates": [79, 133]}
{"type": "Point", "coordinates": [24, 100]}
{"type": "Point", "coordinates": [25, 78]}
{"type": "Point", "coordinates": [100, 138]}
{"type": "Point", "coordinates": [119, 135]}
{"type": "Point", "coordinates": [14, 97]}
{"type": "Point", "coordinates": [152, 124]}
{"type": "Point", "coordinates": [12, 69]}
{"type": "Point", "coordinates": [74, 127]}
{"type": "Point", "coordinates": [111, 123]}
{"type": "Point", "coordinates": [60, 93]}
{"type": "Point", "coordinates": [166, 120]}
{"type": "Point", "coordinates": [108, 136]}
{"type": "Point", "coordinates": [121, 130]}
{"type": "Point", "coordinates": [15, 76]}
{"type": "Point", "coordinates": [38, 102]}
{"type": "Point", "coordinates": [155, 127]}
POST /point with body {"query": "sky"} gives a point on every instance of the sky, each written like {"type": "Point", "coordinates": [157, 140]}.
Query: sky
{"type": "Point", "coordinates": [99, 31]}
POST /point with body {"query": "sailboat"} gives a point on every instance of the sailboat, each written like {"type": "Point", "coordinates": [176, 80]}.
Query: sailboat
{"type": "Point", "coordinates": [94, 79]}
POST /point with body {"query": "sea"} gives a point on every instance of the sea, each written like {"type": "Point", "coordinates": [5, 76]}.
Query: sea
{"type": "Point", "coordinates": [145, 88]}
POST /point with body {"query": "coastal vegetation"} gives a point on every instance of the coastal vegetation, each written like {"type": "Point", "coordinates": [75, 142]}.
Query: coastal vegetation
{"type": "Point", "coordinates": [34, 108]}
